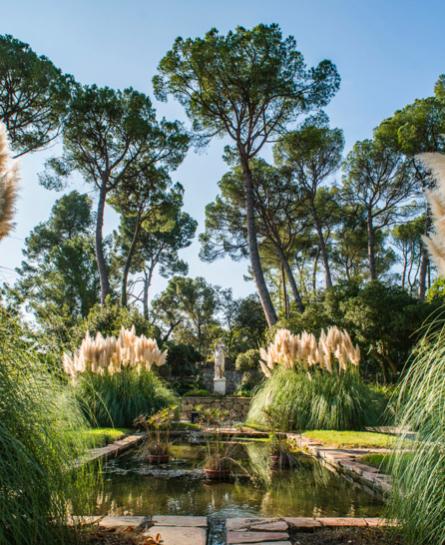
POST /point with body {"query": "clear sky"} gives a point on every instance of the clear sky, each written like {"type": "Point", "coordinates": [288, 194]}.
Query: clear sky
{"type": "Point", "coordinates": [388, 53]}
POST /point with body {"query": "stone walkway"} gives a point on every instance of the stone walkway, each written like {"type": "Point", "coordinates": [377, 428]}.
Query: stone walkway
{"type": "Point", "coordinates": [346, 462]}
{"type": "Point", "coordinates": [111, 450]}
{"type": "Point", "coordinates": [190, 530]}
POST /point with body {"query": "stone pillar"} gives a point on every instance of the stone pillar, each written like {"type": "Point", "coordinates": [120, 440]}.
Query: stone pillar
{"type": "Point", "coordinates": [219, 386]}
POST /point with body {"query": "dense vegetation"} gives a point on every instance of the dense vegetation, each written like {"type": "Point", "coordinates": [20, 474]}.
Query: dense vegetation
{"type": "Point", "coordinates": [39, 425]}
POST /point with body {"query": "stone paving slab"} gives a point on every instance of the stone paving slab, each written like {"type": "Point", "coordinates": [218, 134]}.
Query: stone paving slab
{"type": "Point", "coordinates": [125, 521]}
{"type": "Point", "coordinates": [111, 450]}
{"type": "Point", "coordinates": [172, 520]}
{"type": "Point", "coordinates": [268, 543]}
{"type": "Point", "coordinates": [337, 522]}
{"type": "Point", "coordinates": [260, 524]}
{"type": "Point", "coordinates": [380, 522]}
{"type": "Point", "coordinates": [237, 538]}
{"type": "Point", "coordinates": [179, 535]}
{"type": "Point", "coordinates": [303, 522]}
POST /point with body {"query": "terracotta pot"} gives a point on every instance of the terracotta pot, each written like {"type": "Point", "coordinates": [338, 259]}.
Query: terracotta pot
{"type": "Point", "coordinates": [217, 474]}
{"type": "Point", "coordinates": [156, 459]}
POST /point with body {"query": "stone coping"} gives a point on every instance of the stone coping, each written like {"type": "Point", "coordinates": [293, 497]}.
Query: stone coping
{"type": "Point", "coordinates": [257, 524]}
{"type": "Point", "coordinates": [347, 462]}
{"type": "Point", "coordinates": [111, 450]}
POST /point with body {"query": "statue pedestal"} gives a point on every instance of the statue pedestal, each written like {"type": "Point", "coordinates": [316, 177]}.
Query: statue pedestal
{"type": "Point", "coordinates": [219, 386]}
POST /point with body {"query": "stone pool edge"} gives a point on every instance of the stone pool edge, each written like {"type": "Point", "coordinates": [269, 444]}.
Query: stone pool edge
{"type": "Point", "coordinates": [344, 461]}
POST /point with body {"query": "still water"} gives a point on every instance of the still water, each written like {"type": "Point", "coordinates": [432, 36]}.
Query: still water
{"type": "Point", "coordinates": [133, 487]}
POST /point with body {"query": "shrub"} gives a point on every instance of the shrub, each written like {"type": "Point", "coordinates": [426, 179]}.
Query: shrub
{"type": "Point", "coordinates": [197, 392]}
{"type": "Point", "coordinates": [38, 445]}
{"type": "Point", "coordinates": [182, 368]}
{"type": "Point", "coordinates": [247, 363]}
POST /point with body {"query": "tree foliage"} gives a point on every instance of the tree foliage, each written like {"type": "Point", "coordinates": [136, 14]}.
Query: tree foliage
{"type": "Point", "coordinates": [34, 96]}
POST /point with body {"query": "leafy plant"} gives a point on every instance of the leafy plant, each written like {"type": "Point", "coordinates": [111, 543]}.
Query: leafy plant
{"type": "Point", "coordinates": [158, 428]}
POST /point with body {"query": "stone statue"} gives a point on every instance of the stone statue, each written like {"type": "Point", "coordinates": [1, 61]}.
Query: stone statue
{"type": "Point", "coordinates": [219, 361]}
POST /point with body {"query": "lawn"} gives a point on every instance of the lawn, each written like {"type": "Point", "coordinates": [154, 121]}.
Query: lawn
{"type": "Point", "coordinates": [99, 437]}
{"type": "Point", "coordinates": [352, 439]}
{"type": "Point", "coordinates": [383, 462]}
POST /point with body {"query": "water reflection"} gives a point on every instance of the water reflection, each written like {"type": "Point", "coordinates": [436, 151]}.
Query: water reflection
{"type": "Point", "coordinates": [132, 487]}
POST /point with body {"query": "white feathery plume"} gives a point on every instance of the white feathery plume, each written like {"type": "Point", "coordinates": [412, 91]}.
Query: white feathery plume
{"type": "Point", "coordinates": [305, 352]}
{"type": "Point", "coordinates": [9, 181]}
{"type": "Point", "coordinates": [436, 199]}
{"type": "Point", "coordinates": [111, 355]}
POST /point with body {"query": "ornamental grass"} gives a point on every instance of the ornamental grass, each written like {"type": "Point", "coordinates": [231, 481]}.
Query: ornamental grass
{"type": "Point", "coordinates": [113, 379]}
{"type": "Point", "coordinates": [39, 443]}
{"type": "Point", "coordinates": [418, 499]}
{"type": "Point", "coordinates": [313, 384]}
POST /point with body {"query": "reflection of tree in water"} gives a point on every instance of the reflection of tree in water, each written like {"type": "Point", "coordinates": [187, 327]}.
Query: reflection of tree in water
{"type": "Point", "coordinates": [306, 490]}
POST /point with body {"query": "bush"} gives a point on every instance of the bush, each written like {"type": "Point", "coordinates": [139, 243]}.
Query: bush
{"type": "Point", "coordinates": [182, 370]}
{"type": "Point", "coordinates": [116, 400]}
{"type": "Point", "coordinates": [38, 445]}
{"type": "Point", "coordinates": [294, 400]}
{"type": "Point", "coordinates": [197, 392]}
{"type": "Point", "coordinates": [248, 363]}
{"type": "Point", "coordinates": [109, 319]}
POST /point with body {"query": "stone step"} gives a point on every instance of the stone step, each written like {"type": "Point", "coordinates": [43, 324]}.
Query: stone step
{"type": "Point", "coordinates": [236, 538]}
{"type": "Point", "coordinates": [179, 535]}
{"type": "Point", "coordinates": [179, 520]}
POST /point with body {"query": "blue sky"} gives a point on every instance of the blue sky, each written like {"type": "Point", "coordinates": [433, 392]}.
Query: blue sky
{"type": "Point", "coordinates": [388, 53]}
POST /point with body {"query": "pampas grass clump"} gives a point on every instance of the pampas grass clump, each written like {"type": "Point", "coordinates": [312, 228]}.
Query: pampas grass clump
{"type": "Point", "coordinates": [313, 384]}
{"type": "Point", "coordinates": [418, 499]}
{"type": "Point", "coordinates": [112, 378]}
{"type": "Point", "coordinates": [109, 355]}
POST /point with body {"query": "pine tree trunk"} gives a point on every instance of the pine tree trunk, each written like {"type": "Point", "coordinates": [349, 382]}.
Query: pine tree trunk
{"type": "Point", "coordinates": [290, 276]}
{"type": "Point", "coordinates": [145, 295]}
{"type": "Point", "coordinates": [371, 247]}
{"type": "Point", "coordinates": [257, 270]}
{"type": "Point", "coordinates": [323, 251]}
{"type": "Point", "coordinates": [285, 297]}
{"type": "Point", "coordinates": [424, 260]}
{"type": "Point", "coordinates": [100, 255]}
{"type": "Point", "coordinates": [128, 262]}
